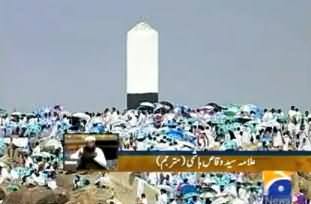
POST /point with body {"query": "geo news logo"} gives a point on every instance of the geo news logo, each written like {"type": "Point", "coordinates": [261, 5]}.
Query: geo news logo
{"type": "Point", "coordinates": [278, 192]}
{"type": "Point", "coordinates": [271, 200]}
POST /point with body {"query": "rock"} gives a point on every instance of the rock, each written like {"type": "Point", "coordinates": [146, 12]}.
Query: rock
{"type": "Point", "coordinates": [3, 193]}
{"type": "Point", "coordinates": [84, 196]}
{"type": "Point", "coordinates": [38, 195]}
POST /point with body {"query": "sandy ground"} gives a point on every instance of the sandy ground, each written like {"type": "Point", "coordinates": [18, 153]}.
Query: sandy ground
{"type": "Point", "coordinates": [88, 195]}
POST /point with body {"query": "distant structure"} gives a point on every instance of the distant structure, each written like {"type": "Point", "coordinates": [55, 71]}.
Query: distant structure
{"type": "Point", "coordinates": [142, 63]}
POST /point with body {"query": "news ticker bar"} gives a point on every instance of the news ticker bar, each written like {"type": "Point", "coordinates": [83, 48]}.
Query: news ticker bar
{"type": "Point", "coordinates": [214, 161]}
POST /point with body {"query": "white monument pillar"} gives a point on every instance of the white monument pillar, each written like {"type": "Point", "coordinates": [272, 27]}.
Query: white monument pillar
{"type": "Point", "coordinates": [142, 63]}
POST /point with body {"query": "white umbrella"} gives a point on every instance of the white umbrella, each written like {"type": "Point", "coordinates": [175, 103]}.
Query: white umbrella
{"type": "Point", "coordinates": [238, 201]}
{"type": "Point", "coordinates": [31, 114]}
{"type": "Point", "coordinates": [67, 113]}
{"type": "Point", "coordinates": [147, 104]}
{"type": "Point", "coordinates": [207, 108]}
{"type": "Point", "coordinates": [42, 154]}
{"type": "Point", "coordinates": [187, 144]}
{"type": "Point", "coordinates": [82, 116]}
{"type": "Point", "coordinates": [208, 180]}
{"type": "Point", "coordinates": [222, 200]}
{"type": "Point", "coordinates": [208, 195]}
{"type": "Point", "coordinates": [52, 143]}
{"type": "Point", "coordinates": [16, 113]}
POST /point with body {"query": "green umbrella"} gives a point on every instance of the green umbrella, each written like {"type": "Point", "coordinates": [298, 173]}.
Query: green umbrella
{"type": "Point", "coordinates": [231, 111]}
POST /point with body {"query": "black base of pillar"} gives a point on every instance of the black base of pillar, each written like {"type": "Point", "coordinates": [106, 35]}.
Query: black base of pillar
{"type": "Point", "coordinates": [133, 100]}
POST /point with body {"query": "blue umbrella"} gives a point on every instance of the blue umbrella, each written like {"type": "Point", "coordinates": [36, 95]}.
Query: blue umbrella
{"type": "Point", "coordinates": [190, 195]}
{"type": "Point", "coordinates": [33, 129]}
{"type": "Point", "coordinates": [97, 128]}
{"type": "Point", "coordinates": [175, 134]}
{"type": "Point", "coordinates": [223, 180]}
{"type": "Point", "coordinates": [170, 123]}
{"type": "Point", "coordinates": [187, 188]}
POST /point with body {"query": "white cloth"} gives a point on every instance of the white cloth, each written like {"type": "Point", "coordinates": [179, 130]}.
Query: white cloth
{"type": "Point", "coordinates": [291, 114]}
{"type": "Point", "coordinates": [144, 201]}
{"type": "Point", "coordinates": [153, 178]}
{"type": "Point", "coordinates": [163, 199]}
{"type": "Point", "coordinates": [39, 180]}
{"type": "Point", "coordinates": [103, 181]}
{"type": "Point", "coordinates": [52, 184]}
{"type": "Point", "coordinates": [140, 146]}
{"type": "Point", "coordinates": [277, 140]}
{"type": "Point", "coordinates": [267, 117]}
{"type": "Point", "coordinates": [287, 141]}
{"type": "Point", "coordinates": [36, 150]}
{"type": "Point", "coordinates": [140, 187]}
{"type": "Point", "coordinates": [246, 138]}
{"type": "Point", "coordinates": [4, 175]}
{"type": "Point", "coordinates": [28, 162]}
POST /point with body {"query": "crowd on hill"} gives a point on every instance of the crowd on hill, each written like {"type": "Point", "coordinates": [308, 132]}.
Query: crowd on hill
{"type": "Point", "coordinates": [31, 150]}
{"type": "Point", "coordinates": [163, 126]}
{"type": "Point", "coordinates": [205, 188]}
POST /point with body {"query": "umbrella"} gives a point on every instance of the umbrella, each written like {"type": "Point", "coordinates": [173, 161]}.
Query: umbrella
{"type": "Point", "coordinates": [175, 134]}
{"type": "Point", "coordinates": [222, 200]}
{"type": "Point", "coordinates": [33, 129]}
{"type": "Point", "coordinates": [168, 104]}
{"type": "Point", "coordinates": [161, 109]}
{"type": "Point", "coordinates": [243, 119]}
{"type": "Point", "coordinates": [67, 113]}
{"type": "Point", "coordinates": [170, 123]}
{"type": "Point", "coordinates": [30, 114]}
{"type": "Point", "coordinates": [231, 111]}
{"type": "Point", "coordinates": [97, 128]}
{"type": "Point", "coordinates": [208, 181]}
{"type": "Point", "coordinates": [216, 106]}
{"type": "Point", "coordinates": [186, 144]}
{"type": "Point", "coordinates": [16, 113]}
{"type": "Point", "coordinates": [249, 107]}
{"type": "Point", "coordinates": [207, 108]}
{"type": "Point", "coordinates": [190, 195]}
{"type": "Point", "coordinates": [187, 188]}
{"type": "Point", "coordinates": [208, 194]}
{"type": "Point", "coordinates": [82, 116]}
{"type": "Point", "coordinates": [146, 106]}
{"type": "Point", "coordinates": [252, 108]}
{"type": "Point", "coordinates": [42, 154]}
{"type": "Point", "coordinates": [52, 143]}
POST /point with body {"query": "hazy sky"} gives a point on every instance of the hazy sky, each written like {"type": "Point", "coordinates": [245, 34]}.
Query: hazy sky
{"type": "Point", "coordinates": [72, 52]}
